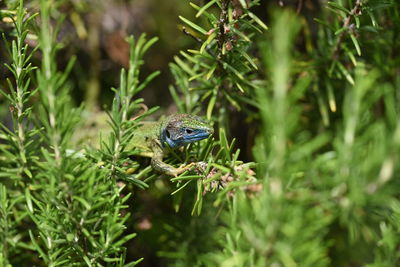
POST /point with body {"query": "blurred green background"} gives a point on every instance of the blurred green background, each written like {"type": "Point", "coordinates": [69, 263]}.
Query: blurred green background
{"type": "Point", "coordinates": [326, 178]}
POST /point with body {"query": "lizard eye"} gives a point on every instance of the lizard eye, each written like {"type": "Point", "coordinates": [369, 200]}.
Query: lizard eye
{"type": "Point", "coordinates": [189, 131]}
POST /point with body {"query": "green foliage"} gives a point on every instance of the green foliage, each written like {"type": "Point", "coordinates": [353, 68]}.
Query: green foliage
{"type": "Point", "coordinates": [221, 70]}
{"type": "Point", "coordinates": [113, 152]}
{"type": "Point", "coordinates": [56, 114]}
{"type": "Point", "coordinates": [286, 222]}
{"type": "Point", "coordinates": [18, 98]}
{"type": "Point", "coordinates": [17, 152]}
{"type": "Point", "coordinates": [215, 73]}
{"type": "Point", "coordinates": [317, 97]}
{"type": "Point", "coordinates": [328, 189]}
{"type": "Point", "coordinates": [73, 211]}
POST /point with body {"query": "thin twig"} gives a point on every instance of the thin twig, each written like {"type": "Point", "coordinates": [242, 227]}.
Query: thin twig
{"type": "Point", "coordinates": [223, 19]}
{"type": "Point", "coordinates": [356, 11]}
{"type": "Point", "coordinates": [299, 6]}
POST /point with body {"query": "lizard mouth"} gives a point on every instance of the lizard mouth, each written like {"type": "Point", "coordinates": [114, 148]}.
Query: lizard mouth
{"type": "Point", "coordinates": [197, 137]}
{"type": "Point", "coordinates": [185, 138]}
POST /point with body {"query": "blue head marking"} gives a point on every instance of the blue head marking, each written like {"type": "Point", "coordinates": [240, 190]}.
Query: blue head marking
{"type": "Point", "coordinates": [183, 129]}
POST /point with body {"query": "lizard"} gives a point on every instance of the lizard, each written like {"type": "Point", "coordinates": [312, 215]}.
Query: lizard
{"type": "Point", "coordinates": [154, 139]}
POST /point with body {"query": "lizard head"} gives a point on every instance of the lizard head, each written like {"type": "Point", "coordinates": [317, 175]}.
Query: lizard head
{"type": "Point", "coordinates": [182, 129]}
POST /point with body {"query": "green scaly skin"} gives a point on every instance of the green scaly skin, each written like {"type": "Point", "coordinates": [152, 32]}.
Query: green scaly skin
{"type": "Point", "coordinates": [154, 139]}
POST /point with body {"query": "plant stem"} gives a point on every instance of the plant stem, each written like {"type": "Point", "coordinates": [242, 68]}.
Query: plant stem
{"type": "Point", "coordinates": [354, 12]}
{"type": "Point", "coordinates": [46, 44]}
